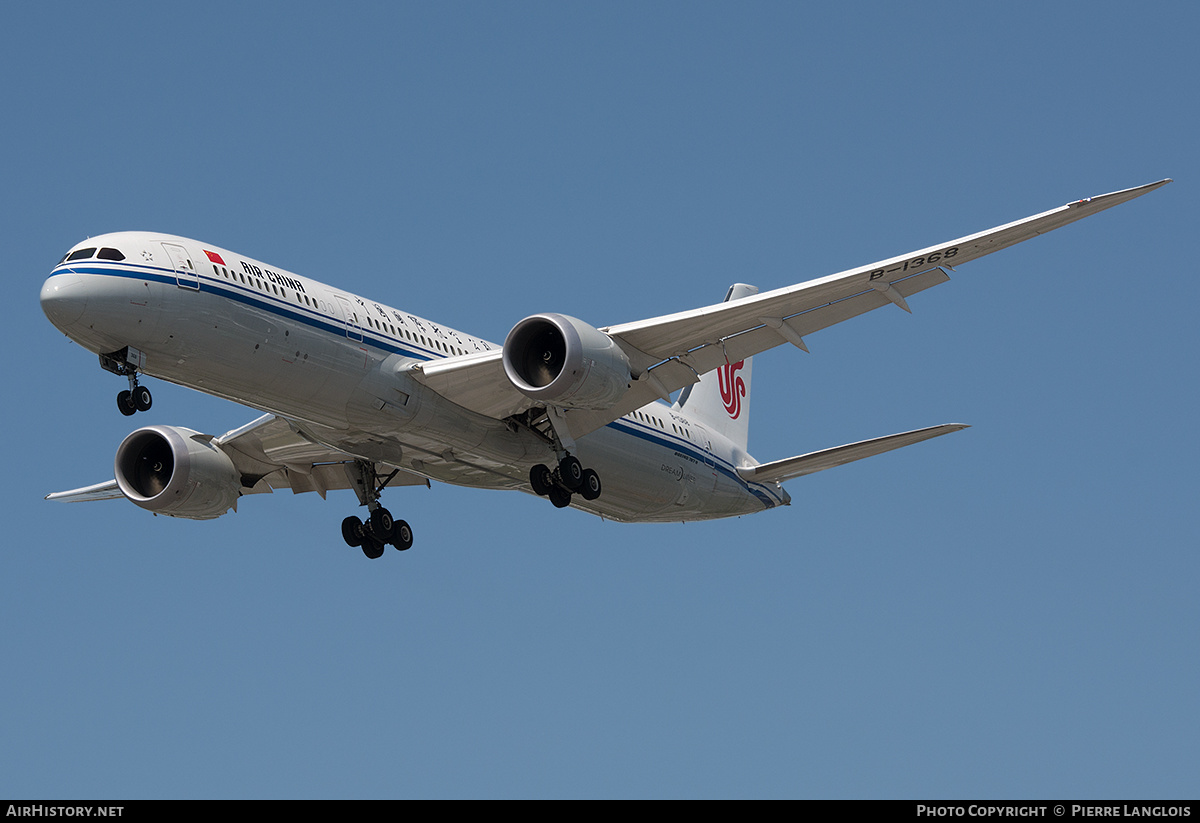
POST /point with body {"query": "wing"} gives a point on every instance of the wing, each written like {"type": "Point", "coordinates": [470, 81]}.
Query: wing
{"type": "Point", "coordinates": [275, 453]}
{"type": "Point", "coordinates": [669, 352]}
{"type": "Point", "coordinates": [476, 382]}
{"type": "Point", "coordinates": [100, 491]}
{"type": "Point", "coordinates": [272, 453]}
{"type": "Point", "coordinates": [780, 470]}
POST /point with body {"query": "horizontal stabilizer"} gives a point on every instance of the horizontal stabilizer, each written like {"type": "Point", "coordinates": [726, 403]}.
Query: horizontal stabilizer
{"type": "Point", "coordinates": [790, 467]}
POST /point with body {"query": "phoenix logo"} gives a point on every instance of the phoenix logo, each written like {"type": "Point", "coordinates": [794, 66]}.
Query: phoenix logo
{"type": "Point", "coordinates": [733, 388]}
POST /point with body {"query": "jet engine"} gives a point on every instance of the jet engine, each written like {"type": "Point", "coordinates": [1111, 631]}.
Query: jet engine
{"type": "Point", "coordinates": [560, 360]}
{"type": "Point", "coordinates": [177, 472]}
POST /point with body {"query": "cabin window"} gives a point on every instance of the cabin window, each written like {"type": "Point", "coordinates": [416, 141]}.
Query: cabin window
{"type": "Point", "coordinates": [110, 254]}
{"type": "Point", "coordinates": [81, 254]}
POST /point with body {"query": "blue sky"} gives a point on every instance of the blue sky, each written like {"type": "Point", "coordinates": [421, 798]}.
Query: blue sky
{"type": "Point", "coordinates": [1005, 612]}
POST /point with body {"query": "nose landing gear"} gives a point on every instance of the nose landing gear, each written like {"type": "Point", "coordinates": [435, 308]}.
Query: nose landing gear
{"type": "Point", "coordinates": [125, 363]}
{"type": "Point", "coordinates": [135, 399]}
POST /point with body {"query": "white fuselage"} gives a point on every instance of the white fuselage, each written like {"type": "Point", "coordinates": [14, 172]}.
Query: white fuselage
{"type": "Point", "coordinates": [216, 321]}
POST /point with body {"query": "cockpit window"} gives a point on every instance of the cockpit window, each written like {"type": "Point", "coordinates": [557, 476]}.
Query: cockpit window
{"type": "Point", "coordinates": [110, 254]}
{"type": "Point", "coordinates": [81, 254]}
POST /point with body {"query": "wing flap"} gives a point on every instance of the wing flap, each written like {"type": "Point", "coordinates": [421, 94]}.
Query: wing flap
{"type": "Point", "coordinates": [791, 467]}
{"type": "Point", "coordinates": [275, 452]}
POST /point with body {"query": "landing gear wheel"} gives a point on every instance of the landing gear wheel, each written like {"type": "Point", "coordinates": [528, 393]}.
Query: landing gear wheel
{"type": "Point", "coordinates": [141, 398]}
{"type": "Point", "coordinates": [352, 531]}
{"type": "Point", "coordinates": [382, 525]}
{"type": "Point", "coordinates": [402, 536]}
{"type": "Point", "coordinates": [541, 480]}
{"type": "Point", "coordinates": [560, 497]}
{"type": "Point", "coordinates": [589, 489]}
{"type": "Point", "coordinates": [572, 472]}
{"type": "Point", "coordinates": [125, 402]}
{"type": "Point", "coordinates": [372, 548]}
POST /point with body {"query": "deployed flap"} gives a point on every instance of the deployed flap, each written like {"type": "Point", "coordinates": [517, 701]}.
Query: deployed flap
{"type": "Point", "coordinates": [273, 453]}
{"type": "Point", "coordinates": [780, 470]}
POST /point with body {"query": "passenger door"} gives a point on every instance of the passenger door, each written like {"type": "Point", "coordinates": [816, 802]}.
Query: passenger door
{"type": "Point", "coordinates": [185, 273]}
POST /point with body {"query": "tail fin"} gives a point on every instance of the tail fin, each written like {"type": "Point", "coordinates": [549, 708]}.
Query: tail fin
{"type": "Point", "coordinates": [721, 400]}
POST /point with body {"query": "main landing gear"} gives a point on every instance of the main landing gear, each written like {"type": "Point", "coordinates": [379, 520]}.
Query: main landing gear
{"type": "Point", "coordinates": [125, 364]}
{"type": "Point", "coordinates": [569, 477]}
{"type": "Point", "coordinates": [560, 483]}
{"type": "Point", "coordinates": [377, 533]}
{"type": "Point", "coordinates": [380, 530]}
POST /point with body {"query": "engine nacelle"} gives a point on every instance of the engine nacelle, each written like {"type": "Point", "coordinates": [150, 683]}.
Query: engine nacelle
{"type": "Point", "coordinates": [177, 472]}
{"type": "Point", "coordinates": [560, 360]}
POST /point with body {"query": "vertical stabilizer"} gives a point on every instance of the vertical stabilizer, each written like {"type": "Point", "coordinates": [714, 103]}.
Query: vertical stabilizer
{"type": "Point", "coordinates": [721, 400]}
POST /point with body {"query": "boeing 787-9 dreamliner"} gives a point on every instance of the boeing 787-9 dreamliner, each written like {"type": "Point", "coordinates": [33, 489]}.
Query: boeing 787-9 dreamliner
{"type": "Point", "coordinates": [359, 395]}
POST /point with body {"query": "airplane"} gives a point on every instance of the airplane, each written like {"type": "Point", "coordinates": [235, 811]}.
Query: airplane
{"type": "Point", "coordinates": [356, 394]}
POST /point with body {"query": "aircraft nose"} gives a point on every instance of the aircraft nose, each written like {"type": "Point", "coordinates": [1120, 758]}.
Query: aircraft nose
{"type": "Point", "coordinates": [64, 298]}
